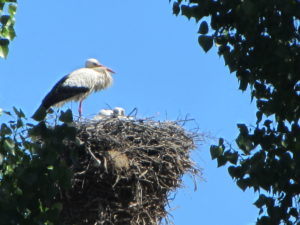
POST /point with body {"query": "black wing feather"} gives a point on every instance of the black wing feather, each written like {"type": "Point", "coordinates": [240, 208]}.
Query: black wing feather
{"type": "Point", "coordinates": [61, 93]}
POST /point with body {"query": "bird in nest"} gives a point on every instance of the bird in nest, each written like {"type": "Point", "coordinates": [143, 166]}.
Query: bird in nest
{"type": "Point", "coordinates": [77, 86]}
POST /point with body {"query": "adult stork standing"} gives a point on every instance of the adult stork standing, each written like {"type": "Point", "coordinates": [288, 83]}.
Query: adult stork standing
{"type": "Point", "coordinates": [78, 85]}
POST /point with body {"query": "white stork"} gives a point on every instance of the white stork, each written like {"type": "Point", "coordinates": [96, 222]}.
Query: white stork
{"type": "Point", "coordinates": [78, 85]}
{"type": "Point", "coordinates": [117, 112]}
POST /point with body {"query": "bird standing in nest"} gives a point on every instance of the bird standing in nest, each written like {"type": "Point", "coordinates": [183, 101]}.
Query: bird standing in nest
{"type": "Point", "coordinates": [78, 85]}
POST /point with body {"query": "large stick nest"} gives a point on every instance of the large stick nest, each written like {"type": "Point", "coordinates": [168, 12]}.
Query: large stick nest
{"type": "Point", "coordinates": [126, 171]}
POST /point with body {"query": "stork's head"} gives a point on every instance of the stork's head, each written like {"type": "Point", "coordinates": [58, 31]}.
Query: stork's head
{"type": "Point", "coordinates": [94, 63]}
{"type": "Point", "coordinates": [118, 111]}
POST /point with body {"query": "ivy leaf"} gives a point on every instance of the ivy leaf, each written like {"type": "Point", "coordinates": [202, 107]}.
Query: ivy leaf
{"type": "Point", "coordinates": [206, 42]}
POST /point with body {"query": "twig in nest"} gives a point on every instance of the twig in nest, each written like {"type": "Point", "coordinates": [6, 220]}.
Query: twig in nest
{"type": "Point", "coordinates": [94, 157]}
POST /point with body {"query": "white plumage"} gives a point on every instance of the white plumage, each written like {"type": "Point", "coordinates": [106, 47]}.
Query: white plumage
{"type": "Point", "coordinates": [106, 112]}
{"type": "Point", "coordinates": [79, 84]}
{"type": "Point", "coordinates": [117, 112]}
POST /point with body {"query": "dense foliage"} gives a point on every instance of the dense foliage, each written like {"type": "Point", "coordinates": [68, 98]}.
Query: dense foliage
{"type": "Point", "coordinates": [259, 41]}
{"type": "Point", "coordinates": [8, 10]}
{"type": "Point", "coordinates": [32, 172]}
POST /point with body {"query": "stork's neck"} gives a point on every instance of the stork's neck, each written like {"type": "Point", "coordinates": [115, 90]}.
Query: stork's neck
{"type": "Point", "coordinates": [100, 69]}
{"type": "Point", "coordinates": [106, 76]}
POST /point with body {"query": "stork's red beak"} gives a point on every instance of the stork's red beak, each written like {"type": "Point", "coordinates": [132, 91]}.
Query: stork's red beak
{"type": "Point", "coordinates": [110, 70]}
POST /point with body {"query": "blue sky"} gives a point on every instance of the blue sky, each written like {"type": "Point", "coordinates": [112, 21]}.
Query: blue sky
{"type": "Point", "coordinates": [161, 70]}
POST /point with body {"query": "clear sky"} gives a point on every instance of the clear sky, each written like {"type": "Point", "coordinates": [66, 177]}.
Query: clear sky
{"type": "Point", "coordinates": [161, 70]}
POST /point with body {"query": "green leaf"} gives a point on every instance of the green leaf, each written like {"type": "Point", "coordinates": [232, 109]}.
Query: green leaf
{"type": "Point", "coordinates": [66, 117]}
{"type": "Point", "coordinates": [248, 8]}
{"type": "Point", "coordinates": [226, 55]}
{"type": "Point", "coordinates": [215, 151]}
{"type": "Point", "coordinates": [19, 113]}
{"type": "Point", "coordinates": [1, 159]}
{"type": "Point", "coordinates": [7, 113]}
{"type": "Point", "coordinates": [264, 220]}
{"type": "Point", "coordinates": [243, 84]}
{"type": "Point", "coordinates": [243, 129]}
{"type": "Point", "coordinates": [235, 171]}
{"type": "Point", "coordinates": [1, 6]}
{"type": "Point", "coordinates": [232, 157]}
{"type": "Point", "coordinates": [12, 8]}
{"type": "Point", "coordinates": [221, 161]}
{"type": "Point", "coordinates": [186, 10]}
{"type": "Point", "coordinates": [261, 201]}
{"type": "Point", "coordinates": [3, 48]}
{"type": "Point", "coordinates": [5, 130]}
{"type": "Point", "coordinates": [294, 213]}
{"type": "Point", "coordinates": [58, 206]}
{"type": "Point", "coordinates": [232, 67]}
{"type": "Point", "coordinates": [9, 33]}
{"type": "Point", "coordinates": [8, 145]}
{"type": "Point", "coordinates": [176, 8]}
{"type": "Point", "coordinates": [39, 130]}
{"type": "Point", "coordinates": [259, 115]}
{"type": "Point", "coordinates": [244, 143]}
{"type": "Point", "coordinates": [20, 123]}
{"type": "Point", "coordinates": [206, 42]}
{"type": "Point", "coordinates": [4, 19]}
{"type": "Point", "coordinates": [203, 29]}
{"type": "Point", "coordinates": [40, 114]}
{"type": "Point", "coordinates": [242, 184]}
{"type": "Point", "coordinates": [221, 141]}
{"type": "Point", "coordinates": [18, 191]}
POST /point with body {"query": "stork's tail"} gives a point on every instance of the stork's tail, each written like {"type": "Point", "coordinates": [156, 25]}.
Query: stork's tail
{"type": "Point", "coordinates": [40, 113]}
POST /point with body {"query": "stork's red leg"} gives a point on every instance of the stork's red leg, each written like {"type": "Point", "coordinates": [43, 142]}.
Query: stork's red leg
{"type": "Point", "coordinates": [80, 109]}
